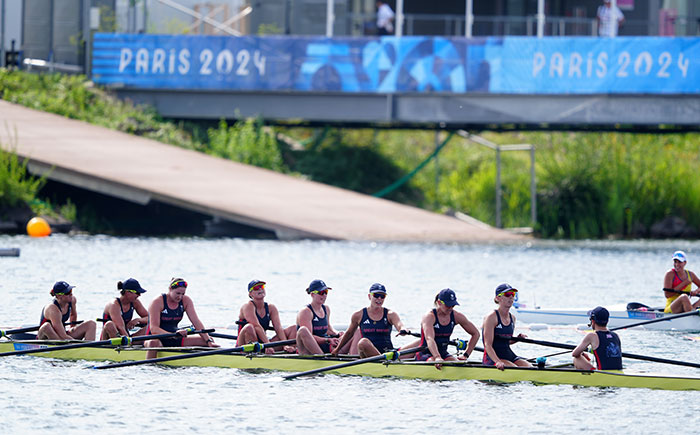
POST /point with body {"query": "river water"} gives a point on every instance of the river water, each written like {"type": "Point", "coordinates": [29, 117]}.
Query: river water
{"type": "Point", "coordinates": [43, 395]}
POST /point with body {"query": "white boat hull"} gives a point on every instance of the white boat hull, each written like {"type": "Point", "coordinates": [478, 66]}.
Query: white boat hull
{"type": "Point", "coordinates": [618, 318]}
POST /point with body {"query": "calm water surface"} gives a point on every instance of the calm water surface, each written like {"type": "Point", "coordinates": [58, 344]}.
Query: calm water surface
{"type": "Point", "coordinates": [42, 395]}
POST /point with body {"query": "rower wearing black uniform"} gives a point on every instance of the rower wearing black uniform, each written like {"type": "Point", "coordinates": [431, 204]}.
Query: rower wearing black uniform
{"type": "Point", "coordinates": [165, 313]}
{"type": "Point", "coordinates": [437, 326]}
{"type": "Point", "coordinates": [62, 310]}
{"type": "Point", "coordinates": [257, 316]}
{"type": "Point", "coordinates": [604, 343]}
{"type": "Point", "coordinates": [498, 330]}
{"type": "Point", "coordinates": [375, 324]}
{"type": "Point", "coordinates": [118, 321]}
{"type": "Point", "coordinates": [315, 334]}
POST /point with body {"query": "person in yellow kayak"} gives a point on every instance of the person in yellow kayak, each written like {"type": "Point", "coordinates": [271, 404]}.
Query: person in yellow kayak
{"type": "Point", "coordinates": [678, 286]}
{"type": "Point", "coordinates": [604, 344]}
{"type": "Point", "coordinates": [61, 311]}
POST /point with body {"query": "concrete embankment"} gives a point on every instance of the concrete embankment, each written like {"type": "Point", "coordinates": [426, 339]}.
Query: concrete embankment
{"type": "Point", "coordinates": [142, 170]}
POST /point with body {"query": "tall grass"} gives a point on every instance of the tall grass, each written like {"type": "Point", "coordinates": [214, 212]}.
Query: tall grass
{"type": "Point", "coordinates": [16, 184]}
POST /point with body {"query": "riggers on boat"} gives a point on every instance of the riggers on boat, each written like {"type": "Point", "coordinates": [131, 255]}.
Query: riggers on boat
{"type": "Point", "coordinates": [399, 369]}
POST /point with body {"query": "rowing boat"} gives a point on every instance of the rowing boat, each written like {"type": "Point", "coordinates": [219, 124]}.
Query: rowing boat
{"type": "Point", "coordinates": [620, 316]}
{"type": "Point", "coordinates": [399, 369]}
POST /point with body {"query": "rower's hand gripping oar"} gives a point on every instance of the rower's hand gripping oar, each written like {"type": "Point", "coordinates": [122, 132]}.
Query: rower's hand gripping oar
{"type": "Point", "coordinates": [671, 290]}
{"type": "Point", "coordinates": [387, 356]}
{"type": "Point", "coordinates": [117, 341]}
{"type": "Point", "coordinates": [459, 344]}
{"type": "Point", "coordinates": [31, 328]}
{"type": "Point", "coordinates": [624, 354]}
{"type": "Point", "coordinates": [252, 347]}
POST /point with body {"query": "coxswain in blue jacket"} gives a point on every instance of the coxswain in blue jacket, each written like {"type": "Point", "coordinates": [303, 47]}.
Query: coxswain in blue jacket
{"type": "Point", "coordinates": [118, 315]}
{"type": "Point", "coordinates": [315, 334]}
{"type": "Point", "coordinates": [165, 313]}
{"type": "Point", "coordinates": [604, 343]}
{"type": "Point", "coordinates": [62, 310]}
{"type": "Point", "coordinates": [370, 328]}
{"type": "Point", "coordinates": [257, 316]}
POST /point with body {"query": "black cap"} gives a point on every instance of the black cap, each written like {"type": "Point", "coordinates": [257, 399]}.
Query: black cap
{"type": "Point", "coordinates": [505, 288]}
{"type": "Point", "coordinates": [132, 284]}
{"type": "Point", "coordinates": [448, 297]}
{"type": "Point", "coordinates": [316, 286]}
{"type": "Point", "coordinates": [377, 288]}
{"type": "Point", "coordinates": [599, 315]}
{"type": "Point", "coordinates": [62, 287]}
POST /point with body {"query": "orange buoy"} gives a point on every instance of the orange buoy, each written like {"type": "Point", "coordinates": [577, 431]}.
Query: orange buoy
{"type": "Point", "coordinates": [38, 227]}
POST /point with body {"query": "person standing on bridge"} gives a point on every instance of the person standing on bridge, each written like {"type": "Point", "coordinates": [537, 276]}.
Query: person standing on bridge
{"type": "Point", "coordinates": [385, 19]}
{"type": "Point", "coordinates": [609, 19]}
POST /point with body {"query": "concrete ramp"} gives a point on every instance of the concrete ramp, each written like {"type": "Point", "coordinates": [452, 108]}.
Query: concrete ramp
{"type": "Point", "coordinates": [141, 170]}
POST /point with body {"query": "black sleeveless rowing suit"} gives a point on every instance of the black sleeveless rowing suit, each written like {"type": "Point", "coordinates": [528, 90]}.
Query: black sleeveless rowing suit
{"type": "Point", "coordinates": [501, 341]}
{"type": "Point", "coordinates": [608, 355]}
{"type": "Point", "coordinates": [442, 337]}
{"type": "Point", "coordinates": [169, 319]}
{"type": "Point", "coordinates": [126, 315]}
{"type": "Point", "coordinates": [320, 327]}
{"type": "Point", "coordinates": [264, 320]}
{"type": "Point", "coordinates": [377, 331]}
{"type": "Point", "coordinates": [64, 317]}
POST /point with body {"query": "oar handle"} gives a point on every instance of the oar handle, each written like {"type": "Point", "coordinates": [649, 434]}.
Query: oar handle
{"type": "Point", "coordinates": [31, 328]}
{"type": "Point", "coordinates": [672, 290]}
{"type": "Point", "coordinates": [252, 347]}
{"type": "Point", "coordinates": [226, 336]}
{"type": "Point", "coordinates": [459, 344]}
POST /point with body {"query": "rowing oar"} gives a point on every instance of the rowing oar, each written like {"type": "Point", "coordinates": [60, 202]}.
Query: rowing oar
{"type": "Point", "coordinates": [625, 355]}
{"type": "Point", "coordinates": [117, 341]}
{"type": "Point", "coordinates": [252, 347]}
{"type": "Point", "coordinates": [226, 336]}
{"type": "Point", "coordinates": [31, 328]}
{"type": "Point", "coordinates": [388, 356]}
{"type": "Point", "coordinates": [678, 291]}
{"type": "Point", "coordinates": [459, 344]}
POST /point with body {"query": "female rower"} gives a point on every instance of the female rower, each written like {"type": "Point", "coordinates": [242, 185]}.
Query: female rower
{"type": "Point", "coordinates": [164, 314]}
{"type": "Point", "coordinates": [118, 321]}
{"type": "Point", "coordinates": [62, 310]}
{"type": "Point", "coordinates": [678, 286]}
{"type": "Point", "coordinates": [315, 335]}
{"type": "Point", "coordinates": [437, 326]}
{"type": "Point", "coordinates": [498, 332]}
{"type": "Point", "coordinates": [375, 323]}
{"type": "Point", "coordinates": [255, 316]}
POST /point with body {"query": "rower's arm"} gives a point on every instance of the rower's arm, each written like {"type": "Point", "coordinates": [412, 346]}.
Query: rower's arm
{"type": "Point", "coordinates": [395, 320]}
{"type": "Point", "coordinates": [194, 318]}
{"type": "Point", "coordinates": [251, 317]}
{"type": "Point", "coordinates": [583, 345]}
{"type": "Point", "coordinates": [471, 329]}
{"type": "Point", "coordinates": [154, 317]}
{"type": "Point", "coordinates": [53, 315]}
{"type": "Point", "coordinates": [489, 325]}
{"type": "Point", "coordinates": [116, 316]}
{"type": "Point", "coordinates": [74, 310]}
{"type": "Point", "coordinates": [276, 323]}
{"type": "Point", "coordinates": [349, 333]}
{"type": "Point", "coordinates": [142, 312]}
{"type": "Point", "coordinates": [429, 334]}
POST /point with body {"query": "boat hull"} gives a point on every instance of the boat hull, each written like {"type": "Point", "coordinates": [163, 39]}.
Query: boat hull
{"type": "Point", "coordinates": [402, 369]}
{"type": "Point", "coordinates": [618, 318]}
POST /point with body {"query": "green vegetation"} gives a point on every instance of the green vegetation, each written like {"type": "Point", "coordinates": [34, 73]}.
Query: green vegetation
{"type": "Point", "coordinates": [16, 185]}
{"type": "Point", "coordinates": [589, 185]}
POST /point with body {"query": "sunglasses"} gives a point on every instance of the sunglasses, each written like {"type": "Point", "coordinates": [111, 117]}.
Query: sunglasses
{"type": "Point", "coordinates": [178, 283]}
{"type": "Point", "coordinates": [257, 287]}
{"type": "Point", "coordinates": [508, 294]}
{"type": "Point", "coordinates": [320, 292]}
{"type": "Point", "coordinates": [134, 292]}
{"type": "Point", "coordinates": [68, 293]}
{"type": "Point", "coordinates": [379, 295]}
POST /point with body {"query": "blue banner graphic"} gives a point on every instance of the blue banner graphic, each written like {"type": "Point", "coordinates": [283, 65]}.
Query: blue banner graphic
{"type": "Point", "coordinates": [511, 65]}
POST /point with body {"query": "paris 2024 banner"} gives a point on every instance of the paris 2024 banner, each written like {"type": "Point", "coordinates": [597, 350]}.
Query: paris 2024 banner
{"type": "Point", "coordinates": [415, 64]}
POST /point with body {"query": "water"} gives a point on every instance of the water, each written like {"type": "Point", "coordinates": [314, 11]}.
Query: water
{"type": "Point", "coordinates": [42, 395]}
